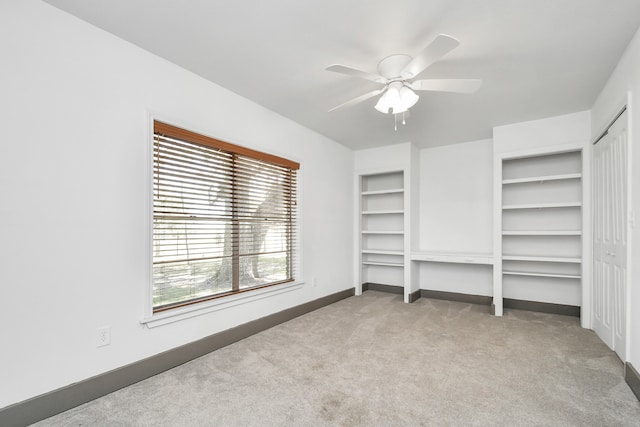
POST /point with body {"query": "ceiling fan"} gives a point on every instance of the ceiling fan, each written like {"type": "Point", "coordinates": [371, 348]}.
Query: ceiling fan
{"type": "Point", "coordinates": [396, 73]}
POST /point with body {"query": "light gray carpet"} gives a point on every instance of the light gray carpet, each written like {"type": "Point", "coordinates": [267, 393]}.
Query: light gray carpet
{"type": "Point", "coordinates": [375, 361]}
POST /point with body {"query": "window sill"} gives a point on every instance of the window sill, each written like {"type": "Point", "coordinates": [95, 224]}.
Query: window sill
{"type": "Point", "coordinates": [217, 304]}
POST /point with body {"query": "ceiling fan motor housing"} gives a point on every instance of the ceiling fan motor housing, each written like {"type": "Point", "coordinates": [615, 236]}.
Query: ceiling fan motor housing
{"type": "Point", "coordinates": [391, 66]}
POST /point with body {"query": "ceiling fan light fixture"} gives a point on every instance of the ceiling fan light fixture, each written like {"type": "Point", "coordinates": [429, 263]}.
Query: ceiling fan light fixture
{"type": "Point", "coordinates": [399, 109]}
{"type": "Point", "coordinates": [382, 105]}
{"type": "Point", "coordinates": [388, 100]}
{"type": "Point", "coordinates": [408, 98]}
{"type": "Point", "coordinates": [397, 99]}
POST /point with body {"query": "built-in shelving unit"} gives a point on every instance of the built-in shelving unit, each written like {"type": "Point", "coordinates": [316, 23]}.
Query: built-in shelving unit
{"type": "Point", "coordinates": [540, 227]}
{"type": "Point", "coordinates": [382, 228]}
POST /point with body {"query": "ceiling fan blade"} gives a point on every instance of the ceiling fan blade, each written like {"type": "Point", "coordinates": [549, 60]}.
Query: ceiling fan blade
{"type": "Point", "coordinates": [342, 69]}
{"type": "Point", "coordinates": [448, 85]}
{"type": "Point", "coordinates": [438, 48]}
{"type": "Point", "coordinates": [359, 99]}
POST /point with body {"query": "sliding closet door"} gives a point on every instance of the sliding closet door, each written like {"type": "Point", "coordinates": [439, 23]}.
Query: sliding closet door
{"type": "Point", "coordinates": [610, 236]}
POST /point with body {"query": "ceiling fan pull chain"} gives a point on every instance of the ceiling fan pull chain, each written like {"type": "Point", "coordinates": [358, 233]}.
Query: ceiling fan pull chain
{"type": "Point", "coordinates": [395, 122]}
{"type": "Point", "coordinates": [403, 120]}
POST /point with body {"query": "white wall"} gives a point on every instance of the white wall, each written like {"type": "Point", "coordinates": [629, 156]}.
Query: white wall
{"type": "Point", "coordinates": [74, 185]}
{"type": "Point", "coordinates": [623, 87]}
{"type": "Point", "coordinates": [456, 214]}
{"type": "Point", "coordinates": [551, 131]}
{"type": "Point", "coordinates": [456, 193]}
{"type": "Point", "coordinates": [546, 133]}
{"type": "Point", "coordinates": [389, 157]}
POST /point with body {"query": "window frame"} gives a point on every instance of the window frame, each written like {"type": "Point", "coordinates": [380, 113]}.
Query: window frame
{"type": "Point", "coordinates": [157, 316]}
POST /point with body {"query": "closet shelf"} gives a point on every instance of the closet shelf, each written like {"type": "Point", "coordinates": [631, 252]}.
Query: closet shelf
{"type": "Point", "coordinates": [382, 252]}
{"type": "Point", "coordinates": [542, 178]}
{"type": "Point", "coordinates": [541, 232]}
{"type": "Point", "coordinates": [378, 192]}
{"type": "Point", "coordinates": [541, 259]}
{"type": "Point", "coordinates": [386, 212]}
{"type": "Point", "coordinates": [383, 264]}
{"type": "Point", "coordinates": [561, 276]}
{"type": "Point", "coordinates": [542, 205]}
{"type": "Point", "coordinates": [396, 232]}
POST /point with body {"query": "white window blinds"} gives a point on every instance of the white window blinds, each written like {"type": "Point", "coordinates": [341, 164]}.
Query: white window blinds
{"type": "Point", "coordinates": [223, 218]}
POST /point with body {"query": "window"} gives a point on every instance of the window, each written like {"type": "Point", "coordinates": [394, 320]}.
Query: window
{"type": "Point", "coordinates": [223, 218]}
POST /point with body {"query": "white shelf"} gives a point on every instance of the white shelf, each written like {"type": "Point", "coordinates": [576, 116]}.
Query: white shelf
{"type": "Point", "coordinates": [543, 205]}
{"type": "Point", "coordinates": [542, 178]}
{"type": "Point", "coordinates": [383, 264]}
{"type": "Point", "coordinates": [377, 192]}
{"type": "Point", "coordinates": [387, 212]}
{"type": "Point", "coordinates": [541, 259]}
{"type": "Point", "coordinates": [383, 232]}
{"type": "Point", "coordinates": [382, 252]}
{"type": "Point", "coordinates": [541, 232]}
{"type": "Point", "coordinates": [561, 276]}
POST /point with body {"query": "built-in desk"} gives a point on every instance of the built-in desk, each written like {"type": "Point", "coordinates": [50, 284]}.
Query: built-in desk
{"type": "Point", "coordinates": [466, 290]}
{"type": "Point", "coordinates": [454, 257]}
{"type": "Point", "coordinates": [476, 295]}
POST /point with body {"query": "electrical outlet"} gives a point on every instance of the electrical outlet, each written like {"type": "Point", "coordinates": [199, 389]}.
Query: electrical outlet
{"type": "Point", "coordinates": [104, 336]}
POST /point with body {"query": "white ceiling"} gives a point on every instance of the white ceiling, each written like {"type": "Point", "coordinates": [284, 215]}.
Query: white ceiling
{"type": "Point", "coordinates": [538, 58]}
